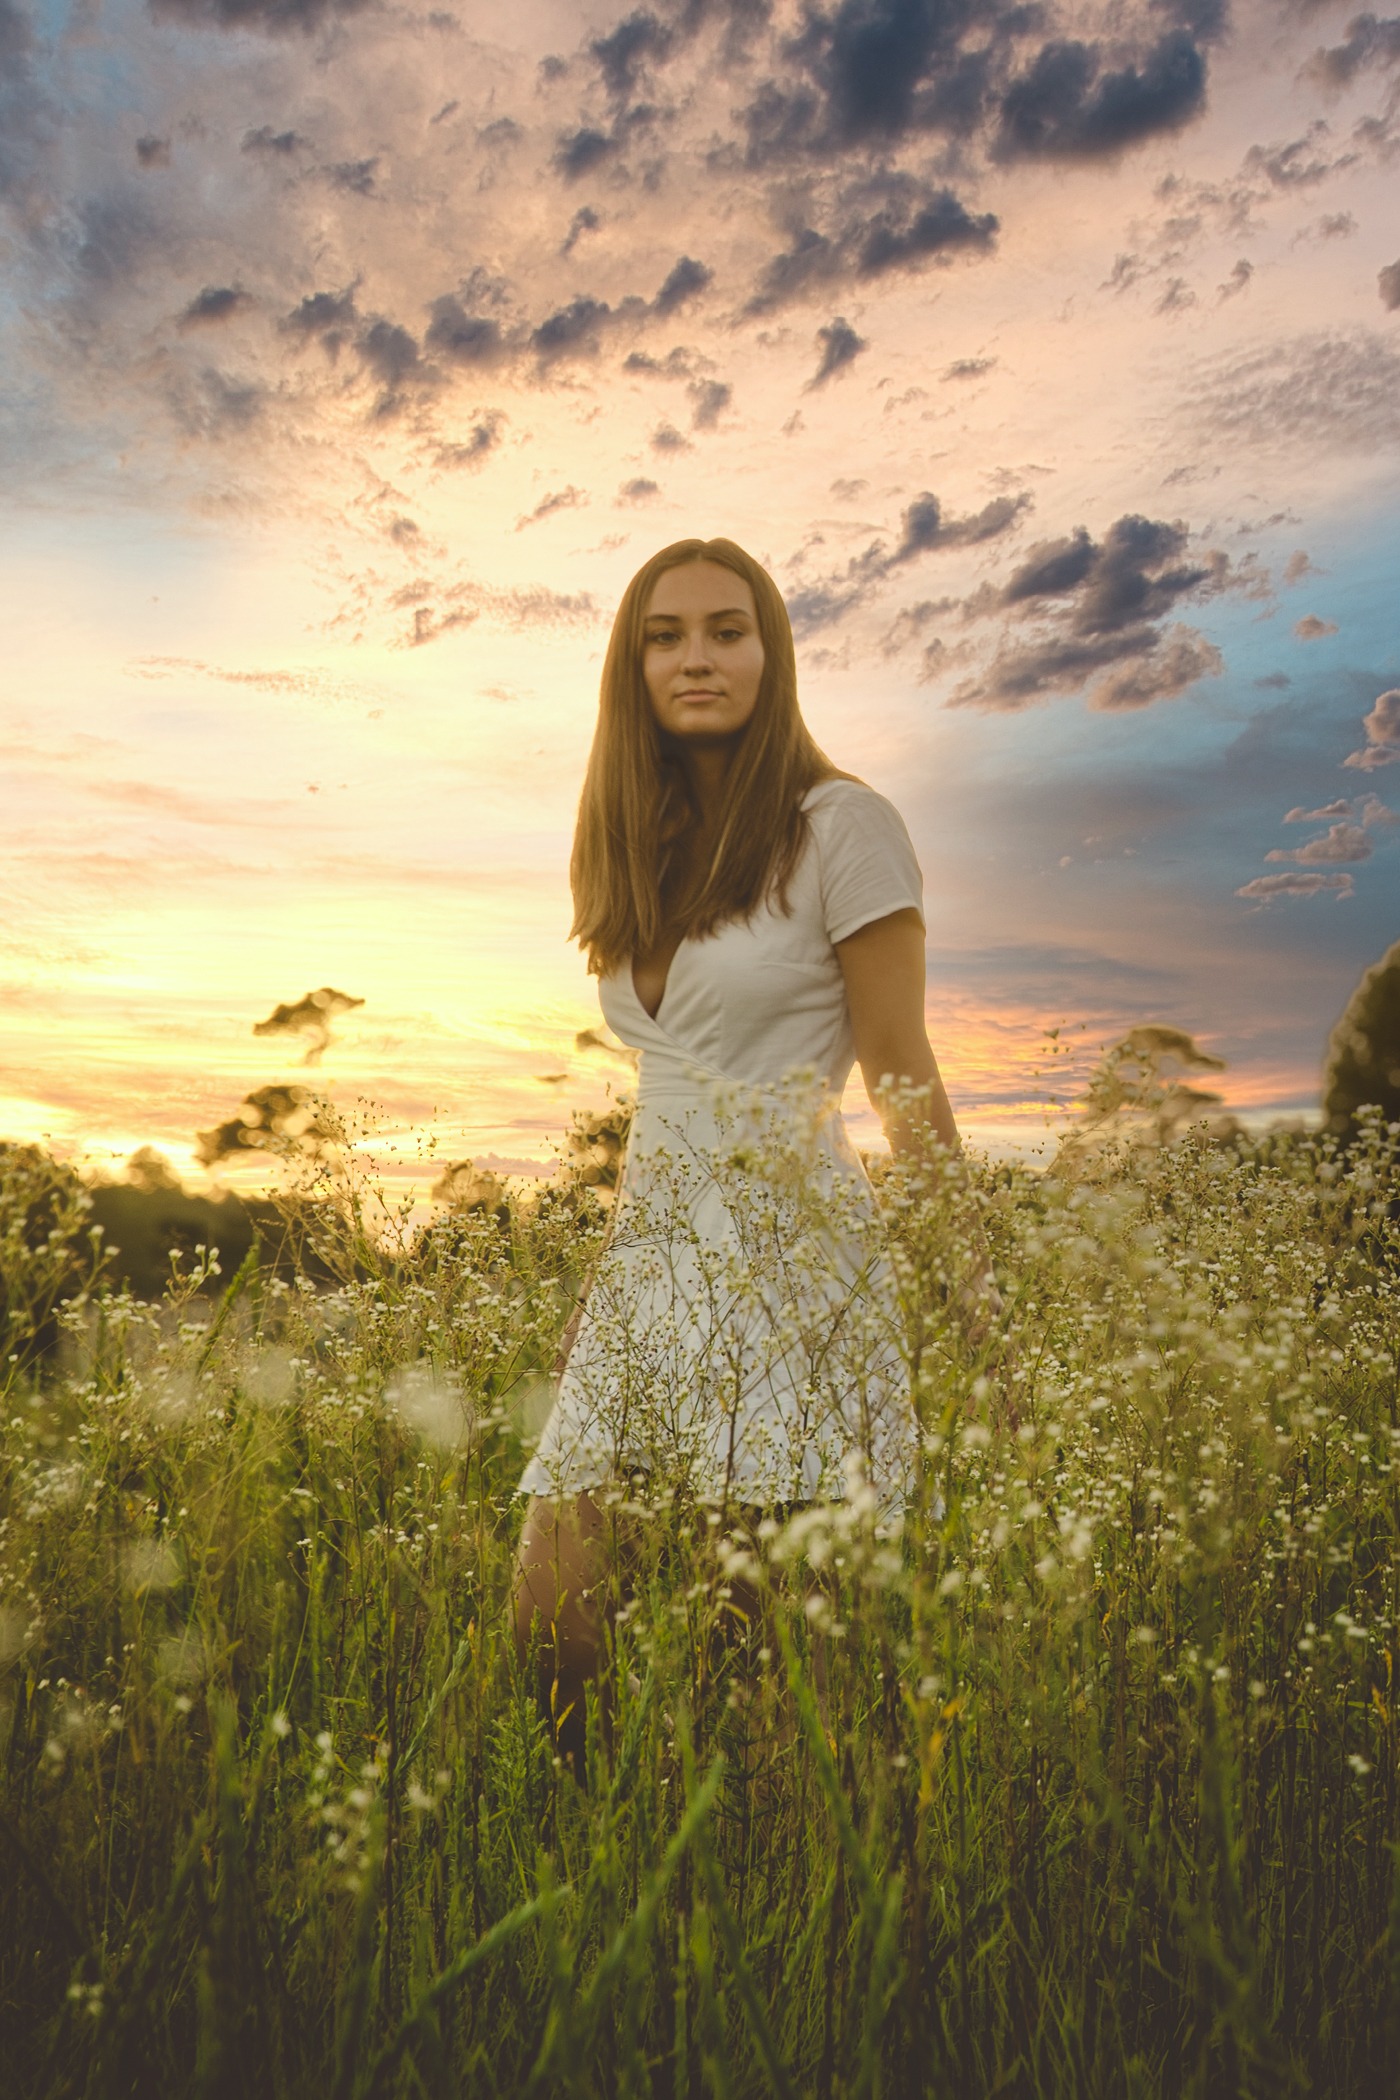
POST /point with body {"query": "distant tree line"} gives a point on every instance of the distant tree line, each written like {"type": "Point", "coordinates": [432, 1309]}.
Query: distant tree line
{"type": "Point", "coordinates": [61, 1235]}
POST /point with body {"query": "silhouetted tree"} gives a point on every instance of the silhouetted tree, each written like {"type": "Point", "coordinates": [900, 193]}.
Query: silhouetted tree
{"type": "Point", "coordinates": [1137, 1093]}
{"type": "Point", "coordinates": [48, 1253]}
{"type": "Point", "coordinates": [1363, 1055]}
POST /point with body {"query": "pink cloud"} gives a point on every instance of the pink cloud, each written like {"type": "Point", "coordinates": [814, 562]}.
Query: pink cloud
{"type": "Point", "coordinates": [1265, 888]}
{"type": "Point", "coordinates": [1325, 815]}
{"type": "Point", "coordinates": [1382, 727]}
{"type": "Point", "coordinates": [1339, 842]}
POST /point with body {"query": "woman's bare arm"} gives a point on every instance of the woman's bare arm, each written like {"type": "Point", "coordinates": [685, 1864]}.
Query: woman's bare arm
{"type": "Point", "coordinates": [883, 965]}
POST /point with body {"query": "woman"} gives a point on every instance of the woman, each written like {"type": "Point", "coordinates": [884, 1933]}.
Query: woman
{"type": "Point", "coordinates": [751, 912]}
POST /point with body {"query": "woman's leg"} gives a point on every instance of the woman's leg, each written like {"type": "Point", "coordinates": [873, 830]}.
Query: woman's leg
{"type": "Point", "coordinates": [561, 1567]}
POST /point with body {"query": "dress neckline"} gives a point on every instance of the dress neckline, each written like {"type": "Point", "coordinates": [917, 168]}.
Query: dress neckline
{"type": "Point", "coordinates": [632, 982]}
{"type": "Point", "coordinates": [815, 789]}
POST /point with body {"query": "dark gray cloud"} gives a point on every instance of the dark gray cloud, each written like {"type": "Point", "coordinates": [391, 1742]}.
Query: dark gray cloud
{"type": "Point", "coordinates": [647, 38]}
{"type": "Point", "coordinates": [968, 368]}
{"type": "Point", "coordinates": [481, 439]}
{"type": "Point", "coordinates": [1099, 606]}
{"type": "Point", "coordinates": [676, 364]}
{"type": "Point", "coordinates": [912, 227]}
{"type": "Point", "coordinates": [709, 398]}
{"type": "Point", "coordinates": [924, 529]}
{"type": "Point", "coordinates": [624, 51]}
{"type": "Point", "coordinates": [1053, 570]}
{"type": "Point", "coordinates": [274, 17]}
{"type": "Point", "coordinates": [1138, 664]}
{"type": "Point", "coordinates": [574, 330]}
{"type": "Point", "coordinates": [840, 346]}
{"type": "Point", "coordinates": [834, 115]}
{"type": "Point", "coordinates": [329, 317]}
{"type": "Point", "coordinates": [498, 134]}
{"type": "Point", "coordinates": [666, 438]}
{"type": "Point", "coordinates": [568, 498]}
{"type": "Point", "coordinates": [1136, 572]}
{"type": "Point", "coordinates": [1172, 664]}
{"type": "Point", "coordinates": [1301, 163]}
{"type": "Point", "coordinates": [905, 233]}
{"type": "Point", "coordinates": [1369, 41]}
{"type": "Point", "coordinates": [1069, 105]}
{"type": "Point", "coordinates": [278, 144]}
{"type": "Point", "coordinates": [570, 328]}
{"type": "Point", "coordinates": [462, 338]}
{"type": "Point", "coordinates": [588, 145]}
{"type": "Point", "coordinates": [684, 280]}
{"type": "Point", "coordinates": [216, 303]}
{"type": "Point", "coordinates": [1174, 297]}
{"type": "Point", "coordinates": [585, 220]}
{"type": "Point", "coordinates": [356, 178]}
{"type": "Point", "coordinates": [813, 606]}
{"type": "Point", "coordinates": [831, 104]}
{"type": "Point", "coordinates": [638, 490]}
{"type": "Point", "coordinates": [390, 352]}
{"type": "Point", "coordinates": [871, 74]}
{"type": "Point", "coordinates": [580, 152]}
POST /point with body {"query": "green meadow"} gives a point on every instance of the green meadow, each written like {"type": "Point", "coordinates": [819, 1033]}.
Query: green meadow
{"type": "Point", "coordinates": [1085, 1785]}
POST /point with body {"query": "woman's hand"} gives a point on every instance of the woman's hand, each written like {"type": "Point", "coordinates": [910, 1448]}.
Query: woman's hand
{"type": "Point", "coordinates": [570, 1334]}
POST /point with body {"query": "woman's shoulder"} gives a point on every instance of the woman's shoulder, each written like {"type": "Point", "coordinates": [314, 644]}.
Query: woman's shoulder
{"type": "Point", "coordinates": [851, 802]}
{"type": "Point", "coordinates": [865, 860]}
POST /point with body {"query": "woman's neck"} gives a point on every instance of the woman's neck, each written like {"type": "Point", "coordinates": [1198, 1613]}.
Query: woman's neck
{"type": "Point", "coordinates": [706, 768]}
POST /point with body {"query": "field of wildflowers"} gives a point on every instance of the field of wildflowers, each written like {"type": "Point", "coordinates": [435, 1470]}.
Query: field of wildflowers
{"type": "Point", "coordinates": [1086, 1785]}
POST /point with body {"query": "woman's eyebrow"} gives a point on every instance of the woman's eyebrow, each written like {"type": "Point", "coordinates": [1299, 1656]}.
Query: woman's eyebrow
{"type": "Point", "coordinates": [730, 612]}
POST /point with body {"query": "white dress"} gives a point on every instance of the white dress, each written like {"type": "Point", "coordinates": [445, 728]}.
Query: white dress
{"type": "Point", "coordinates": [741, 1339]}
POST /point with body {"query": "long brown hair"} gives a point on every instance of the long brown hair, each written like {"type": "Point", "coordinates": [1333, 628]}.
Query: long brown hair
{"type": "Point", "coordinates": [635, 810]}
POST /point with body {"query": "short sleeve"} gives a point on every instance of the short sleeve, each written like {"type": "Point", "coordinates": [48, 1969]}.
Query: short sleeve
{"type": "Point", "coordinates": [866, 857]}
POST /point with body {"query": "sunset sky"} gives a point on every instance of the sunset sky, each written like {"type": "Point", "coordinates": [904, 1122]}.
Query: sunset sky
{"type": "Point", "coordinates": [352, 357]}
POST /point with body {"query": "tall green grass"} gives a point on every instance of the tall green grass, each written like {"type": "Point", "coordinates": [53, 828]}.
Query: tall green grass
{"type": "Point", "coordinates": [1086, 1786]}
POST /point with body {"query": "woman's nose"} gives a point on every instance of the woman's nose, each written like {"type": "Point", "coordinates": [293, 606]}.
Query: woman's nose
{"type": "Point", "coordinates": [697, 653]}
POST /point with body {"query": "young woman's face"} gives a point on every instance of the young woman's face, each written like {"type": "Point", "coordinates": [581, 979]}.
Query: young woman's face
{"type": "Point", "coordinates": [702, 656]}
